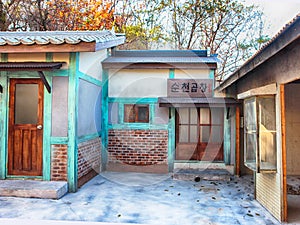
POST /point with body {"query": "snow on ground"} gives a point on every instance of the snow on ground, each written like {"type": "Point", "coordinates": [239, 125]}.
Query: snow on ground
{"type": "Point", "coordinates": [147, 199]}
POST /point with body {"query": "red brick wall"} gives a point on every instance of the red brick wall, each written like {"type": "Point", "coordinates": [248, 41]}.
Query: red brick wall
{"type": "Point", "coordinates": [138, 147]}
{"type": "Point", "coordinates": [89, 157]}
{"type": "Point", "coordinates": [59, 162]}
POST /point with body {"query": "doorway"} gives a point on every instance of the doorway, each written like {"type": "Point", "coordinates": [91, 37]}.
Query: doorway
{"type": "Point", "coordinates": [25, 127]}
{"type": "Point", "coordinates": [292, 136]}
{"type": "Point", "coordinates": [199, 134]}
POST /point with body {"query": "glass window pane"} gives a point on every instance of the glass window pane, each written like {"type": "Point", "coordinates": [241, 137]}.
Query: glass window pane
{"type": "Point", "coordinates": [250, 116]}
{"type": "Point", "coordinates": [193, 134]}
{"type": "Point", "coordinates": [251, 141]}
{"type": "Point", "coordinates": [217, 134]}
{"type": "Point", "coordinates": [267, 113]}
{"type": "Point", "coordinates": [267, 145]}
{"type": "Point", "coordinates": [204, 133]}
{"type": "Point", "coordinates": [129, 113]}
{"type": "Point", "coordinates": [217, 115]}
{"type": "Point", "coordinates": [193, 116]}
{"type": "Point", "coordinates": [183, 115]}
{"type": "Point", "coordinates": [267, 133]}
{"type": "Point", "coordinates": [204, 116]}
{"type": "Point", "coordinates": [183, 133]}
{"type": "Point", "coordinates": [26, 103]}
{"type": "Point", "coordinates": [143, 114]}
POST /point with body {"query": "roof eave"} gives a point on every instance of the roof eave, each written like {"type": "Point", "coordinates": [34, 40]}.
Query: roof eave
{"type": "Point", "coordinates": [282, 40]}
{"type": "Point", "coordinates": [80, 47]}
{"type": "Point", "coordinates": [157, 65]}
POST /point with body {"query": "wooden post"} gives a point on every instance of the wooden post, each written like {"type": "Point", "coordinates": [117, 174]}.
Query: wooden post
{"type": "Point", "coordinates": [237, 142]}
{"type": "Point", "coordinates": [284, 213]}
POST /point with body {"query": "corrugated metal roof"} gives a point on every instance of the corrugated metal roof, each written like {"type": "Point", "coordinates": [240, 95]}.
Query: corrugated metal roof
{"type": "Point", "coordinates": [288, 34]}
{"type": "Point", "coordinates": [159, 59]}
{"type": "Point", "coordinates": [56, 37]}
{"type": "Point", "coordinates": [170, 57]}
{"type": "Point", "coordinates": [35, 66]}
{"type": "Point", "coordinates": [191, 102]}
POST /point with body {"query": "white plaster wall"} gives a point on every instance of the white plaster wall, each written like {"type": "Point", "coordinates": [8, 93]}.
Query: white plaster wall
{"type": "Point", "coordinates": [90, 63]}
{"type": "Point", "coordinates": [138, 83]}
{"type": "Point", "coordinates": [161, 115]}
{"type": "Point", "coordinates": [292, 112]}
{"type": "Point", "coordinates": [192, 74]}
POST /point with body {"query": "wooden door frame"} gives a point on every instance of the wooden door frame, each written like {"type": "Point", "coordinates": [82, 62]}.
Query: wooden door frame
{"type": "Point", "coordinates": [40, 116]}
{"type": "Point", "coordinates": [284, 208]}
{"type": "Point", "coordinates": [198, 144]}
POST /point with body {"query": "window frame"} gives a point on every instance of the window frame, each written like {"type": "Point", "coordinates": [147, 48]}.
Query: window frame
{"type": "Point", "coordinates": [259, 131]}
{"type": "Point", "coordinates": [134, 118]}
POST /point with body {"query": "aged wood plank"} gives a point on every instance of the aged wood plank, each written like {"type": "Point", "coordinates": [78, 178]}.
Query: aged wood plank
{"type": "Point", "coordinates": [284, 210]}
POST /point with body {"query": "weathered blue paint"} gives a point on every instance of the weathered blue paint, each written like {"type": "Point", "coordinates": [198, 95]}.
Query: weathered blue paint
{"type": "Point", "coordinates": [25, 177]}
{"type": "Point", "coordinates": [133, 100]}
{"type": "Point", "coordinates": [172, 73]}
{"type": "Point", "coordinates": [151, 113]}
{"type": "Point", "coordinates": [121, 113]}
{"type": "Point", "coordinates": [171, 131]}
{"type": "Point", "coordinates": [72, 123]}
{"type": "Point", "coordinates": [23, 74]}
{"type": "Point", "coordinates": [89, 79]}
{"type": "Point", "coordinates": [88, 137]}
{"type": "Point", "coordinates": [104, 111]}
{"type": "Point", "coordinates": [60, 73]}
{"type": "Point", "coordinates": [49, 57]}
{"type": "Point", "coordinates": [212, 76]}
{"type": "Point", "coordinates": [171, 139]}
{"type": "Point", "coordinates": [3, 124]}
{"type": "Point", "coordinates": [47, 131]}
{"type": "Point", "coordinates": [59, 140]}
{"type": "Point", "coordinates": [3, 119]}
{"type": "Point", "coordinates": [226, 141]}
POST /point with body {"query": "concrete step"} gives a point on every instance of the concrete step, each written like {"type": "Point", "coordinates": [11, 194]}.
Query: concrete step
{"type": "Point", "coordinates": [198, 175]}
{"type": "Point", "coordinates": [33, 189]}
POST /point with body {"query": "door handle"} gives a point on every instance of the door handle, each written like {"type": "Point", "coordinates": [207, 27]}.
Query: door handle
{"type": "Point", "coordinates": [39, 127]}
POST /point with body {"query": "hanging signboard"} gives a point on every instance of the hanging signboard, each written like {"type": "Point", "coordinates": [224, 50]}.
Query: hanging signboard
{"type": "Point", "coordinates": [194, 88]}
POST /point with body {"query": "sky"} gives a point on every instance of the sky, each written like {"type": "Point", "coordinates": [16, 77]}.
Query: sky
{"type": "Point", "coordinates": [277, 12]}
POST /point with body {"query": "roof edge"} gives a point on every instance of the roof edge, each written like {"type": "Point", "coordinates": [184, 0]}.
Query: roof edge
{"type": "Point", "coordinates": [286, 36]}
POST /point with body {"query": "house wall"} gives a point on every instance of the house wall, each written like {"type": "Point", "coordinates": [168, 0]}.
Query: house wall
{"type": "Point", "coordinates": [59, 162]}
{"type": "Point", "coordinates": [282, 68]}
{"type": "Point", "coordinates": [292, 104]}
{"type": "Point", "coordinates": [89, 160]}
{"type": "Point", "coordinates": [138, 83]}
{"type": "Point", "coordinates": [138, 150]}
{"type": "Point", "coordinates": [89, 116]}
{"type": "Point", "coordinates": [60, 107]}
{"type": "Point", "coordinates": [192, 73]}
{"type": "Point", "coordinates": [144, 86]}
{"type": "Point", "coordinates": [89, 108]}
{"type": "Point", "coordinates": [90, 63]}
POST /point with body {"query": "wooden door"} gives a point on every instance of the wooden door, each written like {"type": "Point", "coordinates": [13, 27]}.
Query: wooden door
{"type": "Point", "coordinates": [199, 134]}
{"type": "Point", "coordinates": [25, 140]}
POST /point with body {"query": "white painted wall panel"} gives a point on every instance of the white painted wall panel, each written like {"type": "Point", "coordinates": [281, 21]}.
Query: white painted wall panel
{"type": "Point", "coordinates": [192, 74]}
{"type": "Point", "coordinates": [292, 102]}
{"type": "Point", "coordinates": [90, 63]}
{"type": "Point", "coordinates": [137, 83]}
